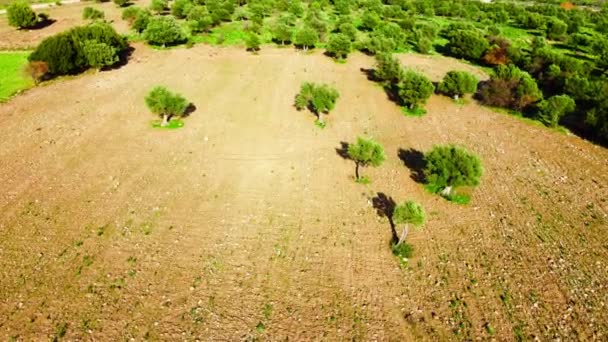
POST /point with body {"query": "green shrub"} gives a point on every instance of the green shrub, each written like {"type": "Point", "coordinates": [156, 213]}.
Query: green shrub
{"type": "Point", "coordinates": [550, 111]}
{"type": "Point", "coordinates": [166, 104]}
{"type": "Point", "coordinates": [448, 167]}
{"type": "Point", "coordinates": [414, 89]}
{"type": "Point", "coordinates": [164, 31]}
{"type": "Point", "coordinates": [20, 15]}
{"type": "Point", "coordinates": [98, 54]}
{"type": "Point", "coordinates": [142, 19]}
{"type": "Point", "coordinates": [181, 8]}
{"type": "Point", "coordinates": [307, 37]}
{"type": "Point", "coordinates": [319, 98]}
{"type": "Point", "coordinates": [92, 13]}
{"type": "Point", "coordinates": [130, 13]}
{"type": "Point", "coordinates": [467, 44]}
{"type": "Point", "coordinates": [253, 42]}
{"type": "Point", "coordinates": [64, 53]}
{"type": "Point", "coordinates": [339, 45]}
{"type": "Point", "coordinates": [458, 83]}
{"type": "Point", "coordinates": [159, 6]}
{"type": "Point", "coordinates": [199, 19]}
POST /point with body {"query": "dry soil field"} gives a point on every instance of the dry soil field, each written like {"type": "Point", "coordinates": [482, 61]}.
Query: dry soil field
{"type": "Point", "coordinates": [247, 224]}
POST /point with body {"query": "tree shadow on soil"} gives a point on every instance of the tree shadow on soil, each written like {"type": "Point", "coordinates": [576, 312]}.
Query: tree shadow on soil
{"type": "Point", "coordinates": [124, 58]}
{"type": "Point", "coordinates": [385, 206]}
{"type": "Point", "coordinates": [391, 91]}
{"type": "Point", "coordinates": [342, 151]}
{"type": "Point", "coordinates": [414, 160]}
{"type": "Point", "coordinates": [189, 110]}
{"type": "Point", "coordinates": [40, 24]}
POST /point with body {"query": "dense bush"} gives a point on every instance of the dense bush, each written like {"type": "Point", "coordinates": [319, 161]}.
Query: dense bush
{"type": "Point", "coordinates": [414, 89]}
{"type": "Point", "coordinates": [252, 42]}
{"type": "Point", "coordinates": [166, 104]}
{"type": "Point", "coordinates": [164, 31]}
{"type": "Point", "coordinates": [388, 69]}
{"type": "Point", "coordinates": [199, 19]}
{"type": "Point", "coordinates": [307, 37]}
{"type": "Point", "coordinates": [21, 15]}
{"type": "Point", "coordinates": [458, 83]}
{"type": "Point", "coordinates": [92, 13]}
{"type": "Point", "coordinates": [550, 111]}
{"type": "Point", "coordinates": [181, 8]}
{"type": "Point", "coordinates": [467, 44]}
{"type": "Point", "coordinates": [159, 6]}
{"type": "Point", "coordinates": [99, 55]}
{"type": "Point", "coordinates": [339, 45]}
{"type": "Point", "coordinates": [64, 53]}
{"type": "Point", "coordinates": [510, 87]}
{"type": "Point", "coordinates": [448, 167]}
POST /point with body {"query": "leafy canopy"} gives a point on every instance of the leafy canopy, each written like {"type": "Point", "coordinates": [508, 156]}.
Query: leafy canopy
{"type": "Point", "coordinates": [409, 212]}
{"type": "Point", "coordinates": [451, 166]}
{"type": "Point", "coordinates": [321, 98]}
{"type": "Point", "coordinates": [458, 83]}
{"type": "Point", "coordinates": [366, 152]}
{"type": "Point", "coordinates": [162, 102]}
{"type": "Point", "coordinates": [414, 89]}
{"type": "Point", "coordinates": [20, 15]}
{"type": "Point", "coordinates": [164, 31]}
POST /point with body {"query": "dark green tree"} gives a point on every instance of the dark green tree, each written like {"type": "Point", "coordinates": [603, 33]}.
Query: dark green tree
{"type": "Point", "coordinates": [414, 89]}
{"type": "Point", "coordinates": [458, 83]}
{"type": "Point", "coordinates": [448, 167]}
{"type": "Point", "coordinates": [388, 69]}
{"type": "Point", "coordinates": [339, 45]}
{"type": "Point", "coordinates": [320, 98]}
{"type": "Point", "coordinates": [365, 152]}
{"type": "Point", "coordinates": [98, 54]}
{"type": "Point", "coordinates": [550, 111]}
{"type": "Point", "coordinates": [467, 44]}
{"type": "Point", "coordinates": [164, 31]}
{"type": "Point", "coordinates": [166, 104]}
{"type": "Point", "coordinates": [307, 37]}
{"type": "Point", "coordinates": [20, 14]}
{"type": "Point", "coordinates": [253, 42]}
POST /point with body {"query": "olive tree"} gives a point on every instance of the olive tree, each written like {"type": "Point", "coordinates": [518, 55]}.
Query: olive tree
{"type": "Point", "coordinates": [467, 44]}
{"type": "Point", "coordinates": [414, 89]}
{"type": "Point", "coordinates": [164, 31]}
{"type": "Point", "coordinates": [166, 104]}
{"type": "Point", "coordinates": [99, 54]}
{"type": "Point", "coordinates": [388, 69]}
{"type": "Point", "coordinates": [21, 15]}
{"type": "Point", "coordinates": [320, 98]}
{"type": "Point", "coordinates": [307, 38]}
{"type": "Point", "coordinates": [252, 42]}
{"type": "Point", "coordinates": [449, 166]}
{"type": "Point", "coordinates": [408, 213]}
{"type": "Point", "coordinates": [339, 45]}
{"type": "Point", "coordinates": [458, 83]}
{"type": "Point", "coordinates": [550, 111]}
{"type": "Point", "coordinates": [365, 152]}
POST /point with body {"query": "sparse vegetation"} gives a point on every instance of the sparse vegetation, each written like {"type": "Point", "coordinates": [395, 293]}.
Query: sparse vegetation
{"type": "Point", "coordinates": [166, 104]}
{"type": "Point", "coordinates": [365, 152]}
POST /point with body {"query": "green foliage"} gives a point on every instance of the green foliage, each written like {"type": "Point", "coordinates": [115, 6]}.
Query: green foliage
{"type": "Point", "coordinates": [98, 54]}
{"type": "Point", "coordinates": [550, 111]}
{"type": "Point", "coordinates": [414, 89]}
{"type": "Point", "coordinates": [510, 87]}
{"type": "Point", "coordinates": [556, 29]}
{"type": "Point", "coordinates": [181, 8]}
{"type": "Point", "coordinates": [366, 152]}
{"type": "Point", "coordinates": [403, 251]}
{"type": "Point", "coordinates": [252, 42]}
{"type": "Point", "coordinates": [159, 6]}
{"type": "Point", "coordinates": [164, 31]}
{"type": "Point", "coordinates": [142, 19]}
{"type": "Point", "coordinates": [423, 45]}
{"type": "Point", "coordinates": [20, 15]}
{"type": "Point", "coordinates": [166, 104]}
{"type": "Point", "coordinates": [199, 19]}
{"type": "Point", "coordinates": [130, 13]}
{"type": "Point", "coordinates": [388, 69]}
{"type": "Point", "coordinates": [409, 212]}
{"type": "Point", "coordinates": [320, 98]}
{"type": "Point", "coordinates": [92, 13]}
{"type": "Point", "coordinates": [450, 167]}
{"type": "Point", "coordinates": [64, 53]}
{"type": "Point", "coordinates": [349, 30]}
{"type": "Point", "coordinates": [339, 45]}
{"type": "Point", "coordinates": [467, 44]}
{"type": "Point", "coordinates": [307, 37]}
{"type": "Point", "coordinates": [458, 83]}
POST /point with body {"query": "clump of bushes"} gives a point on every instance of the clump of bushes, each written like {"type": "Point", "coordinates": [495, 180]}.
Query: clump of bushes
{"type": "Point", "coordinates": [164, 31]}
{"type": "Point", "coordinates": [21, 15]}
{"type": "Point", "coordinates": [76, 50]}
{"type": "Point", "coordinates": [92, 13]}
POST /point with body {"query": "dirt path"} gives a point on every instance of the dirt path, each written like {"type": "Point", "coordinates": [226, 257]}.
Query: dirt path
{"type": "Point", "coordinates": [47, 5]}
{"type": "Point", "coordinates": [246, 223]}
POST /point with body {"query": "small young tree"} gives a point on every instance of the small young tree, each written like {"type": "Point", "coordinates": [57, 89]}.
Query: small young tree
{"type": "Point", "coordinates": [365, 152]}
{"type": "Point", "coordinates": [253, 42]}
{"type": "Point", "coordinates": [414, 89]}
{"type": "Point", "coordinates": [458, 83]}
{"type": "Point", "coordinates": [21, 15]}
{"type": "Point", "coordinates": [307, 38]}
{"type": "Point", "coordinates": [408, 213]}
{"type": "Point", "coordinates": [388, 69]}
{"type": "Point", "coordinates": [164, 31]}
{"type": "Point", "coordinates": [319, 98]}
{"type": "Point", "coordinates": [159, 6]}
{"type": "Point", "coordinates": [448, 167]}
{"type": "Point", "coordinates": [166, 104]}
{"type": "Point", "coordinates": [550, 111]}
{"type": "Point", "coordinates": [36, 70]}
{"type": "Point", "coordinates": [92, 13]}
{"type": "Point", "coordinates": [98, 54]}
{"type": "Point", "coordinates": [339, 45]}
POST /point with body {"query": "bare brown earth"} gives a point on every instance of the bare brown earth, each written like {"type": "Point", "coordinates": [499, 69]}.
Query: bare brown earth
{"type": "Point", "coordinates": [246, 223]}
{"type": "Point", "coordinates": [65, 17]}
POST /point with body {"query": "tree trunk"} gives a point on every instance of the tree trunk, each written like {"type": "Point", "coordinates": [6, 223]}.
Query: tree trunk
{"type": "Point", "coordinates": [403, 235]}
{"type": "Point", "coordinates": [305, 48]}
{"type": "Point", "coordinates": [165, 120]}
{"type": "Point", "coordinates": [447, 191]}
{"type": "Point", "coordinates": [357, 171]}
{"type": "Point", "coordinates": [320, 117]}
{"type": "Point", "coordinates": [456, 97]}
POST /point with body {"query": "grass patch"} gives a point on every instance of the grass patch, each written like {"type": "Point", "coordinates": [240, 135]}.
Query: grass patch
{"type": "Point", "coordinates": [414, 112]}
{"type": "Point", "coordinates": [12, 79]}
{"type": "Point", "coordinates": [320, 124]}
{"type": "Point", "coordinates": [173, 124]}
{"type": "Point", "coordinates": [363, 180]}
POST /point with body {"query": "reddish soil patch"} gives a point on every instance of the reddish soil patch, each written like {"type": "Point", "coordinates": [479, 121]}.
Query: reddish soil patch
{"type": "Point", "coordinates": [245, 223]}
